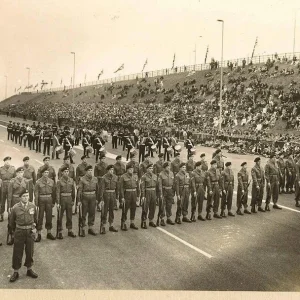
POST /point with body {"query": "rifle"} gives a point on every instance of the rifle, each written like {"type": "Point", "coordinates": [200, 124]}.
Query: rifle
{"type": "Point", "coordinates": [101, 217]}
{"type": "Point", "coordinates": [57, 222]}
{"type": "Point", "coordinates": [80, 223]}
{"type": "Point", "coordinates": [246, 189]}
{"type": "Point", "coordinates": [9, 237]}
{"type": "Point", "coordinates": [160, 201]}
{"type": "Point", "coordinates": [123, 214]}
{"type": "Point", "coordinates": [143, 217]}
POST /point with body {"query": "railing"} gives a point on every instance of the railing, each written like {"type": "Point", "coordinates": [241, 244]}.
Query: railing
{"type": "Point", "coordinates": [176, 70]}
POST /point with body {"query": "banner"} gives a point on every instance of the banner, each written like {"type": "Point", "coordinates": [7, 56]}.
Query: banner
{"type": "Point", "coordinates": [206, 54]}
{"type": "Point", "coordinates": [120, 68]}
{"type": "Point", "coordinates": [145, 65]}
{"type": "Point", "coordinates": [173, 62]}
{"type": "Point", "coordinates": [254, 48]}
{"type": "Point", "coordinates": [100, 74]}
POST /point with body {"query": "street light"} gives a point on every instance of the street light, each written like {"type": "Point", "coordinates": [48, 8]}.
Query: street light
{"type": "Point", "coordinates": [221, 79]}
{"type": "Point", "coordinates": [28, 78]}
{"type": "Point", "coordinates": [73, 82]}
{"type": "Point", "coordinates": [5, 86]}
{"type": "Point", "coordinates": [195, 58]}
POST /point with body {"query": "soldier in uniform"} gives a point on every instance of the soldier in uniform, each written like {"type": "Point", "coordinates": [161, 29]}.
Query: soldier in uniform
{"type": "Point", "coordinates": [149, 195]}
{"type": "Point", "coordinates": [17, 133]}
{"type": "Point", "coordinates": [213, 178]}
{"type": "Point", "coordinates": [159, 141]}
{"type": "Point", "coordinates": [68, 144]}
{"type": "Point", "coordinates": [166, 192]}
{"type": "Point", "coordinates": [281, 166]}
{"type": "Point", "coordinates": [7, 172]}
{"type": "Point", "coordinates": [297, 183]}
{"type": "Point", "coordinates": [227, 183]}
{"type": "Point", "coordinates": [242, 192]}
{"type": "Point", "coordinates": [258, 186]}
{"type": "Point", "coordinates": [182, 188]}
{"type": "Point", "coordinates": [13, 131]}
{"type": "Point", "coordinates": [142, 147]}
{"type": "Point", "coordinates": [290, 173]}
{"type": "Point", "coordinates": [119, 170]}
{"type": "Point", "coordinates": [198, 182]}
{"type": "Point", "coordinates": [30, 175]}
{"type": "Point", "coordinates": [55, 143]}
{"type": "Point", "coordinates": [166, 145]}
{"type": "Point", "coordinates": [51, 170]}
{"type": "Point", "coordinates": [47, 140]}
{"type": "Point", "coordinates": [175, 164]}
{"type": "Point", "coordinates": [272, 178]}
{"type": "Point", "coordinates": [158, 166]}
{"type": "Point", "coordinates": [128, 143]}
{"type": "Point", "coordinates": [218, 158]}
{"type": "Point", "coordinates": [67, 163]}
{"type": "Point", "coordinates": [190, 164]}
{"type": "Point", "coordinates": [98, 143]}
{"type": "Point", "coordinates": [65, 197]}
{"type": "Point", "coordinates": [9, 130]}
{"type": "Point", "coordinates": [143, 166]}
{"type": "Point", "coordinates": [23, 221]}
{"type": "Point", "coordinates": [149, 144]}
{"type": "Point", "coordinates": [99, 171]}
{"type": "Point", "coordinates": [108, 193]}
{"type": "Point", "coordinates": [204, 165]}
{"type": "Point", "coordinates": [85, 143]}
{"type": "Point", "coordinates": [22, 134]}
{"type": "Point", "coordinates": [129, 190]}
{"type": "Point", "coordinates": [134, 163]}
{"type": "Point", "coordinates": [189, 145]}
{"type": "Point", "coordinates": [45, 198]}
{"type": "Point", "coordinates": [88, 196]}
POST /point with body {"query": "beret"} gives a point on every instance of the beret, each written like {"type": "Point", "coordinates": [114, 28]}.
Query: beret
{"type": "Point", "coordinates": [149, 166]}
{"type": "Point", "coordinates": [228, 164]}
{"type": "Point", "coordinates": [202, 155]}
{"type": "Point", "coordinates": [166, 164]}
{"type": "Point", "coordinates": [109, 167]}
{"type": "Point", "coordinates": [181, 165]}
{"type": "Point", "coordinates": [102, 155]}
{"type": "Point", "coordinates": [213, 162]}
{"type": "Point", "coordinates": [129, 165]}
{"type": "Point", "coordinates": [118, 157]}
{"type": "Point", "coordinates": [20, 169]}
{"type": "Point", "coordinates": [47, 157]}
{"type": "Point", "coordinates": [176, 154]}
{"type": "Point", "coordinates": [66, 157]}
{"type": "Point", "coordinates": [218, 151]}
{"type": "Point", "coordinates": [23, 192]}
{"type": "Point", "coordinates": [7, 158]}
{"type": "Point", "coordinates": [244, 163]}
{"type": "Point", "coordinates": [89, 167]}
{"type": "Point", "coordinates": [146, 155]}
{"type": "Point", "coordinates": [257, 159]}
{"type": "Point", "coordinates": [160, 155]}
{"type": "Point", "coordinates": [64, 168]}
{"type": "Point", "coordinates": [26, 158]}
{"type": "Point", "coordinates": [272, 155]}
{"type": "Point", "coordinates": [43, 169]}
{"type": "Point", "coordinates": [83, 157]}
{"type": "Point", "coordinates": [198, 163]}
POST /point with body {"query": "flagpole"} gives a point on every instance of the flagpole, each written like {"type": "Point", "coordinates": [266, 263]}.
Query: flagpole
{"type": "Point", "coordinates": [73, 82]}
{"type": "Point", "coordinates": [221, 79]}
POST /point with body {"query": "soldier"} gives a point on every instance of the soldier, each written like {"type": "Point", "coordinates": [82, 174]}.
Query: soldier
{"type": "Point", "coordinates": [99, 171]}
{"type": "Point", "coordinates": [119, 170]}
{"type": "Point", "coordinates": [80, 170]}
{"type": "Point", "coordinates": [204, 165]}
{"type": "Point", "coordinates": [182, 188]}
{"type": "Point", "coordinates": [98, 144]}
{"type": "Point", "coordinates": [45, 198]}
{"type": "Point", "coordinates": [281, 166]}
{"type": "Point", "coordinates": [7, 172]}
{"type": "Point", "coordinates": [158, 166]}
{"type": "Point", "coordinates": [76, 133]}
{"type": "Point", "coordinates": [13, 131]}
{"type": "Point", "coordinates": [227, 183]}
{"type": "Point", "coordinates": [159, 141]}
{"type": "Point", "coordinates": [37, 139]}
{"type": "Point", "coordinates": [65, 197]}
{"type": "Point", "coordinates": [85, 143]}
{"type": "Point", "coordinates": [149, 144]}
{"type": "Point", "coordinates": [166, 145]}
{"type": "Point", "coordinates": [242, 192]}
{"type": "Point", "coordinates": [9, 130]}
{"type": "Point", "coordinates": [175, 164]}
{"type": "Point", "coordinates": [67, 163]}
{"type": "Point", "coordinates": [108, 193]}
{"type": "Point", "coordinates": [189, 145]}
{"type": "Point", "coordinates": [129, 190]}
{"type": "Point", "coordinates": [149, 195]}
{"type": "Point", "coordinates": [128, 143]}
{"type": "Point", "coordinates": [23, 221]}
{"type": "Point", "coordinates": [17, 133]}
{"type": "Point", "coordinates": [30, 175]}
{"type": "Point", "coordinates": [166, 192]}
{"type": "Point", "coordinates": [272, 178]}
{"type": "Point", "coordinates": [218, 158]}
{"type": "Point", "coordinates": [290, 173]}
{"type": "Point", "coordinates": [88, 196]}
{"type": "Point", "coordinates": [22, 134]}
{"type": "Point", "coordinates": [142, 147]}
{"type": "Point", "coordinates": [134, 163]}
{"type": "Point", "coordinates": [68, 144]}
{"type": "Point", "coordinates": [213, 178]}
{"type": "Point", "coordinates": [47, 140]}
{"type": "Point", "coordinates": [143, 166]}
{"type": "Point", "coordinates": [258, 186]}
{"type": "Point", "coordinates": [52, 173]}
{"type": "Point", "coordinates": [297, 183]}
{"type": "Point", "coordinates": [198, 182]}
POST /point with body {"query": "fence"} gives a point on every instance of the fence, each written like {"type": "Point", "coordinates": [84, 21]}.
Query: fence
{"type": "Point", "coordinates": [177, 70]}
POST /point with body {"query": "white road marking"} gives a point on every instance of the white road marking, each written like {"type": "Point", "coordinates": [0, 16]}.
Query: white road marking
{"type": "Point", "coordinates": [16, 149]}
{"type": "Point", "coordinates": [38, 161]}
{"type": "Point", "coordinates": [185, 243]}
{"type": "Point", "coordinates": [3, 126]}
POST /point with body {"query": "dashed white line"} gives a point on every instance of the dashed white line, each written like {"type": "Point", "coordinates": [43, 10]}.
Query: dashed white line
{"type": "Point", "coordinates": [185, 243]}
{"type": "Point", "coordinates": [38, 161]}
{"type": "Point", "coordinates": [16, 149]}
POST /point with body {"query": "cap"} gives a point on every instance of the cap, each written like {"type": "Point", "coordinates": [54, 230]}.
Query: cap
{"type": "Point", "coordinates": [66, 157]}
{"type": "Point", "coordinates": [64, 168]}
{"type": "Point", "coordinates": [119, 157]}
{"type": "Point", "coordinates": [218, 151]}
{"type": "Point", "coordinates": [257, 159]}
{"type": "Point", "coordinates": [244, 163]}
{"type": "Point", "coordinates": [7, 158]}
{"type": "Point", "coordinates": [26, 158]}
{"type": "Point", "coordinates": [228, 164]}
{"type": "Point", "coordinates": [160, 155]}
{"type": "Point", "coordinates": [89, 167]}
{"type": "Point", "coordinates": [83, 157]}
{"type": "Point", "coordinates": [47, 157]}
{"type": "Point", "coordinates": [213, 162]}
{"type": "Point", "coordinates": [202, 155]}
{"type": "Point", "coordinates": [198, 163]}
{"type": "Point", "coordinates": [181, 165]}
{"type": "Point", "coordinates": [149, 166]}
{"type": "Point", "coordinates": [43, 169]}
{"type": "Point", "coordinates": [20, 169]}
{"type": "Point", "coordinates": [109, 167]}
{"type": "Point", "coordinates": [166, 164]}
{"type": "Point", "coordinates": [176, 154]}
{"type": "Point", "coordinates": [23, 192]}
{"type": "Point", "coordinates": [129, 165]}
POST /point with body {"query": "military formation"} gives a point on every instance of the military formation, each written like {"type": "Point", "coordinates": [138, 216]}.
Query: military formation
{"type": "Point", "coordinates": [167, 188]}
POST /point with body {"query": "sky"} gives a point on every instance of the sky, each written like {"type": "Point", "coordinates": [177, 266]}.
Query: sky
{"type": "Point", "coordinates": [41, 34]}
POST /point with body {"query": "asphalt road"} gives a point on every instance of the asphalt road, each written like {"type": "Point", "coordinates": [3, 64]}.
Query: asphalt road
{"type": "Point", "coordinates": [246, 253]}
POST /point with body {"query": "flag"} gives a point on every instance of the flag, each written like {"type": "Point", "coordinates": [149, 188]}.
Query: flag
{"type": "Point", "coordinates": [30, 86]}
{"type": "Point", "coordinates": [145, 64]}
{"type": "Point", "coordinates": [254, 48]}
{"type": "Point", "coordinates": [36, 85]}
{"type": "Point", "coordinates": [19, 88]}
{"type": "Point", "coordinates": [173, 62]}
{"type": "Point", "coordinates": [120, 68]}
{"type": "Point", "coordinates": [100, 74]}
{"type": "Point", "coordinates": [206, 54]}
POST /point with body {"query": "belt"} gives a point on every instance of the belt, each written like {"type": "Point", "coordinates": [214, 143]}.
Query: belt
{"type": "Point", "coordinates": [130, 190]}
{"type": "Point", "coordinates": [5, 180]}
{"type": "Point", "coordinates": [45, 196]}
{"type": "Point", "coordinates": [273, 175]}
{"type": "Point", "coordinates": [184, 185]}
{"type": "Point", "coordinates": [89, 193]}
{"type": "Point", "coordinates": [167, 187]}
{"type": "Point", "coordinates": [229, 182]}
{"type": "Point", "coordinates": [65, 194]}
{"type": "Point", "coordinates": [150, 189]}
{"type": "Point", "coordinates": [24, 226]}
{"type": "Point", "coordinates": [17, 196]}
{"type": "Point", "coordinates": [110, 191]}
{"type": "Point", "coordinates": [199, 184]}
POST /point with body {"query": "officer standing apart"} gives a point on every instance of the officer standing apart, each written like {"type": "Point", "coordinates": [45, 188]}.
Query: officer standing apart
{"type": "Point", "coordinates": [242, 192]}
{"type": "Point", "coordinates": [23, 222]}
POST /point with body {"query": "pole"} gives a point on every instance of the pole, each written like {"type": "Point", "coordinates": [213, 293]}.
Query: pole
{"type": "Point", "coordinates": [294, 32]}
{"type": "Point", "coordinates": [5, 86]}
{"type": "Point", "coordinates": [73, 82]}
{"type": "Point", "coordinates": [221, 79]}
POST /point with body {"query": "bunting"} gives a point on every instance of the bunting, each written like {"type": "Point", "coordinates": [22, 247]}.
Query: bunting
{"type": "Point", "coordinates": [19, 88]}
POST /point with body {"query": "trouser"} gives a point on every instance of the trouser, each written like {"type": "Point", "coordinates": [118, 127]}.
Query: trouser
{"type": "Point", "coordinates": [9, 134]}
{"type": "Point", "coordinates": [54, 153]}
{"type": "Point", "coordinates": [114, 142]}
{"type": "Point", "coordinates": [23, 237]}
{"type": "Point", "coordinates": [290, 180]}
{"type": "Point", "coordinates": [257, 195]}
{"type": "Point", "coordinates": [47, 147]}
{"type": "Point", "coordinates": [213, 200]}
{"type": "Point", "coordinates": [4, 196]}
{"type": "Point", "coordinates": [20, 140]}
{"type": "Point", "coordinates": [130, 203]}
{"type": "Point", "coordinates": [124, 144]}
{"type": "Point", "coordinates": [159, 147]}
{"type": "Point", "coordinates": [16, 138]}
{"type": "Point", "coordinates": [227, 198]}
{"type": "Point", "coordinates": [166, 155]}
{"type": "Point", "coordinates": [120, 140]}
{"type": "Point", "coordinates": [142, 149]}
{"type": "Point", "coordinates": [149, 205]}
{"type": "Point", "coordinates": [77, 141]}
{"type": "Point", "coordinates": [183, 203]}
{"type": "Point", "coordinates": [30, 142]}
{"type": "Point", "coordinates": [282, 180]}
{"type": "Point", "coordinates": [297, 191]}
{"type": "Point", "coordinates": [12, 136]}
{"type": "Point", "coordinates": [97, 154]}
{"type": "Point", "coordinates": [45, 207]}
{"type": "Point", "coordinates": [128, 154]}
{"type": "Point", "coordinates": [30, 190]}
{"type": "Point", "coordinates": [26, 138]}
{"type": "Point", "coordinates": [239, 201]}
{"type": "Point", "coordinates": [272, 191]}
{"type": "Point", "coordinates": [150, 151]}
{"type": "Point", "coordinates": [38, 145]}
{"type": "Point", "coordinates": [88, 207]}
{"type": "Point", "coordinates": [66, 206]}
{"type": "Point", "coordinates": [109, 203]}
{"type": "Point", "coordinates": [67, 149]}
{"type": "Point", "coordinates": [168, 198]}
{"type": "Point", "coordinates": [198, 200]}
{"type": "Point", "coordinates": [189, 152]}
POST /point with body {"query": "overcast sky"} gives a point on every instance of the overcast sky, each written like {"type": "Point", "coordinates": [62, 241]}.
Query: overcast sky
{"type": "Point", "coordinates": [40, 34]}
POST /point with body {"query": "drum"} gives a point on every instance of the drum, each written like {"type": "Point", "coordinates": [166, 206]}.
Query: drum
{"type": "Point", "coordinates": [193, 151]}
{"type": "Point", "coordinates": [133, 151]}
{"type": "Point", "coordinates": [170, 150]}
{"type": "Point", "coordinates": [102, 150]}
{"type": "Point", "coordinates": [153, 148]}
{"type": "Point", "coordinates": [89, 149]}
{"type": "Point", "coordinates": [178, 148]}
{"type": "Point", "coordinates": [59, 149]}
{"type": "Point", "coordinates": [72, 152]}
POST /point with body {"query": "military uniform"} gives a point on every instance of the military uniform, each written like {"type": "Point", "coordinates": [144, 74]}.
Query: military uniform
{"type": "Point", "coordinates": [119, 170]}
{"type": "Point", "coordinates": [281, 166]}
{"type": "Point", "coordinates": [227, 183]}
{"type": "Point", "coordinates": [213, 178]}
{"type": "Point", "coordinates": [272, 178]}
{"type": "Point", "coordinates": [166, 145]}
{"type": "Point", "coordinates": [52, 173]}
{"type": "Point", "coordinates": [80, 172]}
{"type": "Point", "coordinates": [198, 182]}
{"type": "Point", "coordinates": [9, 130]}
{"type": "Point", "coordinates": [242, 186]}
{"type": "Point", "coordinates": [30, 175]}
{"type": "Point", "coordinates": [290, 167]}
{"type": "Point", "coordinates": [47, 141]}
{"type": "Point", "coordinates": [15, 187]}
{"type": "Point", "coordinates": [158, 167]}
{"type": "Point", "coordinates": [175, 165]}
{"type": "Point", "coordinates": [71, 171]}
{"type": "Point", "coordinates": [297, 184]}
{"type": "Point", "coordinates": [143, 168]}
{"type": "Point", "coordinates": [100, 170]}
{"type": "Point", "coordinates": [258, 180]}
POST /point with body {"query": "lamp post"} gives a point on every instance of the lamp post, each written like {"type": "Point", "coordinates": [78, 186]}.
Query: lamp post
{"type": "Point", "coordinates": [195, 57]}
{"type": "Point", "coordinates": [28, 78]}
{"type": "Point", "coordinates": [221, 79]}
{"type": "Point", "coordinates": [5, 86]}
